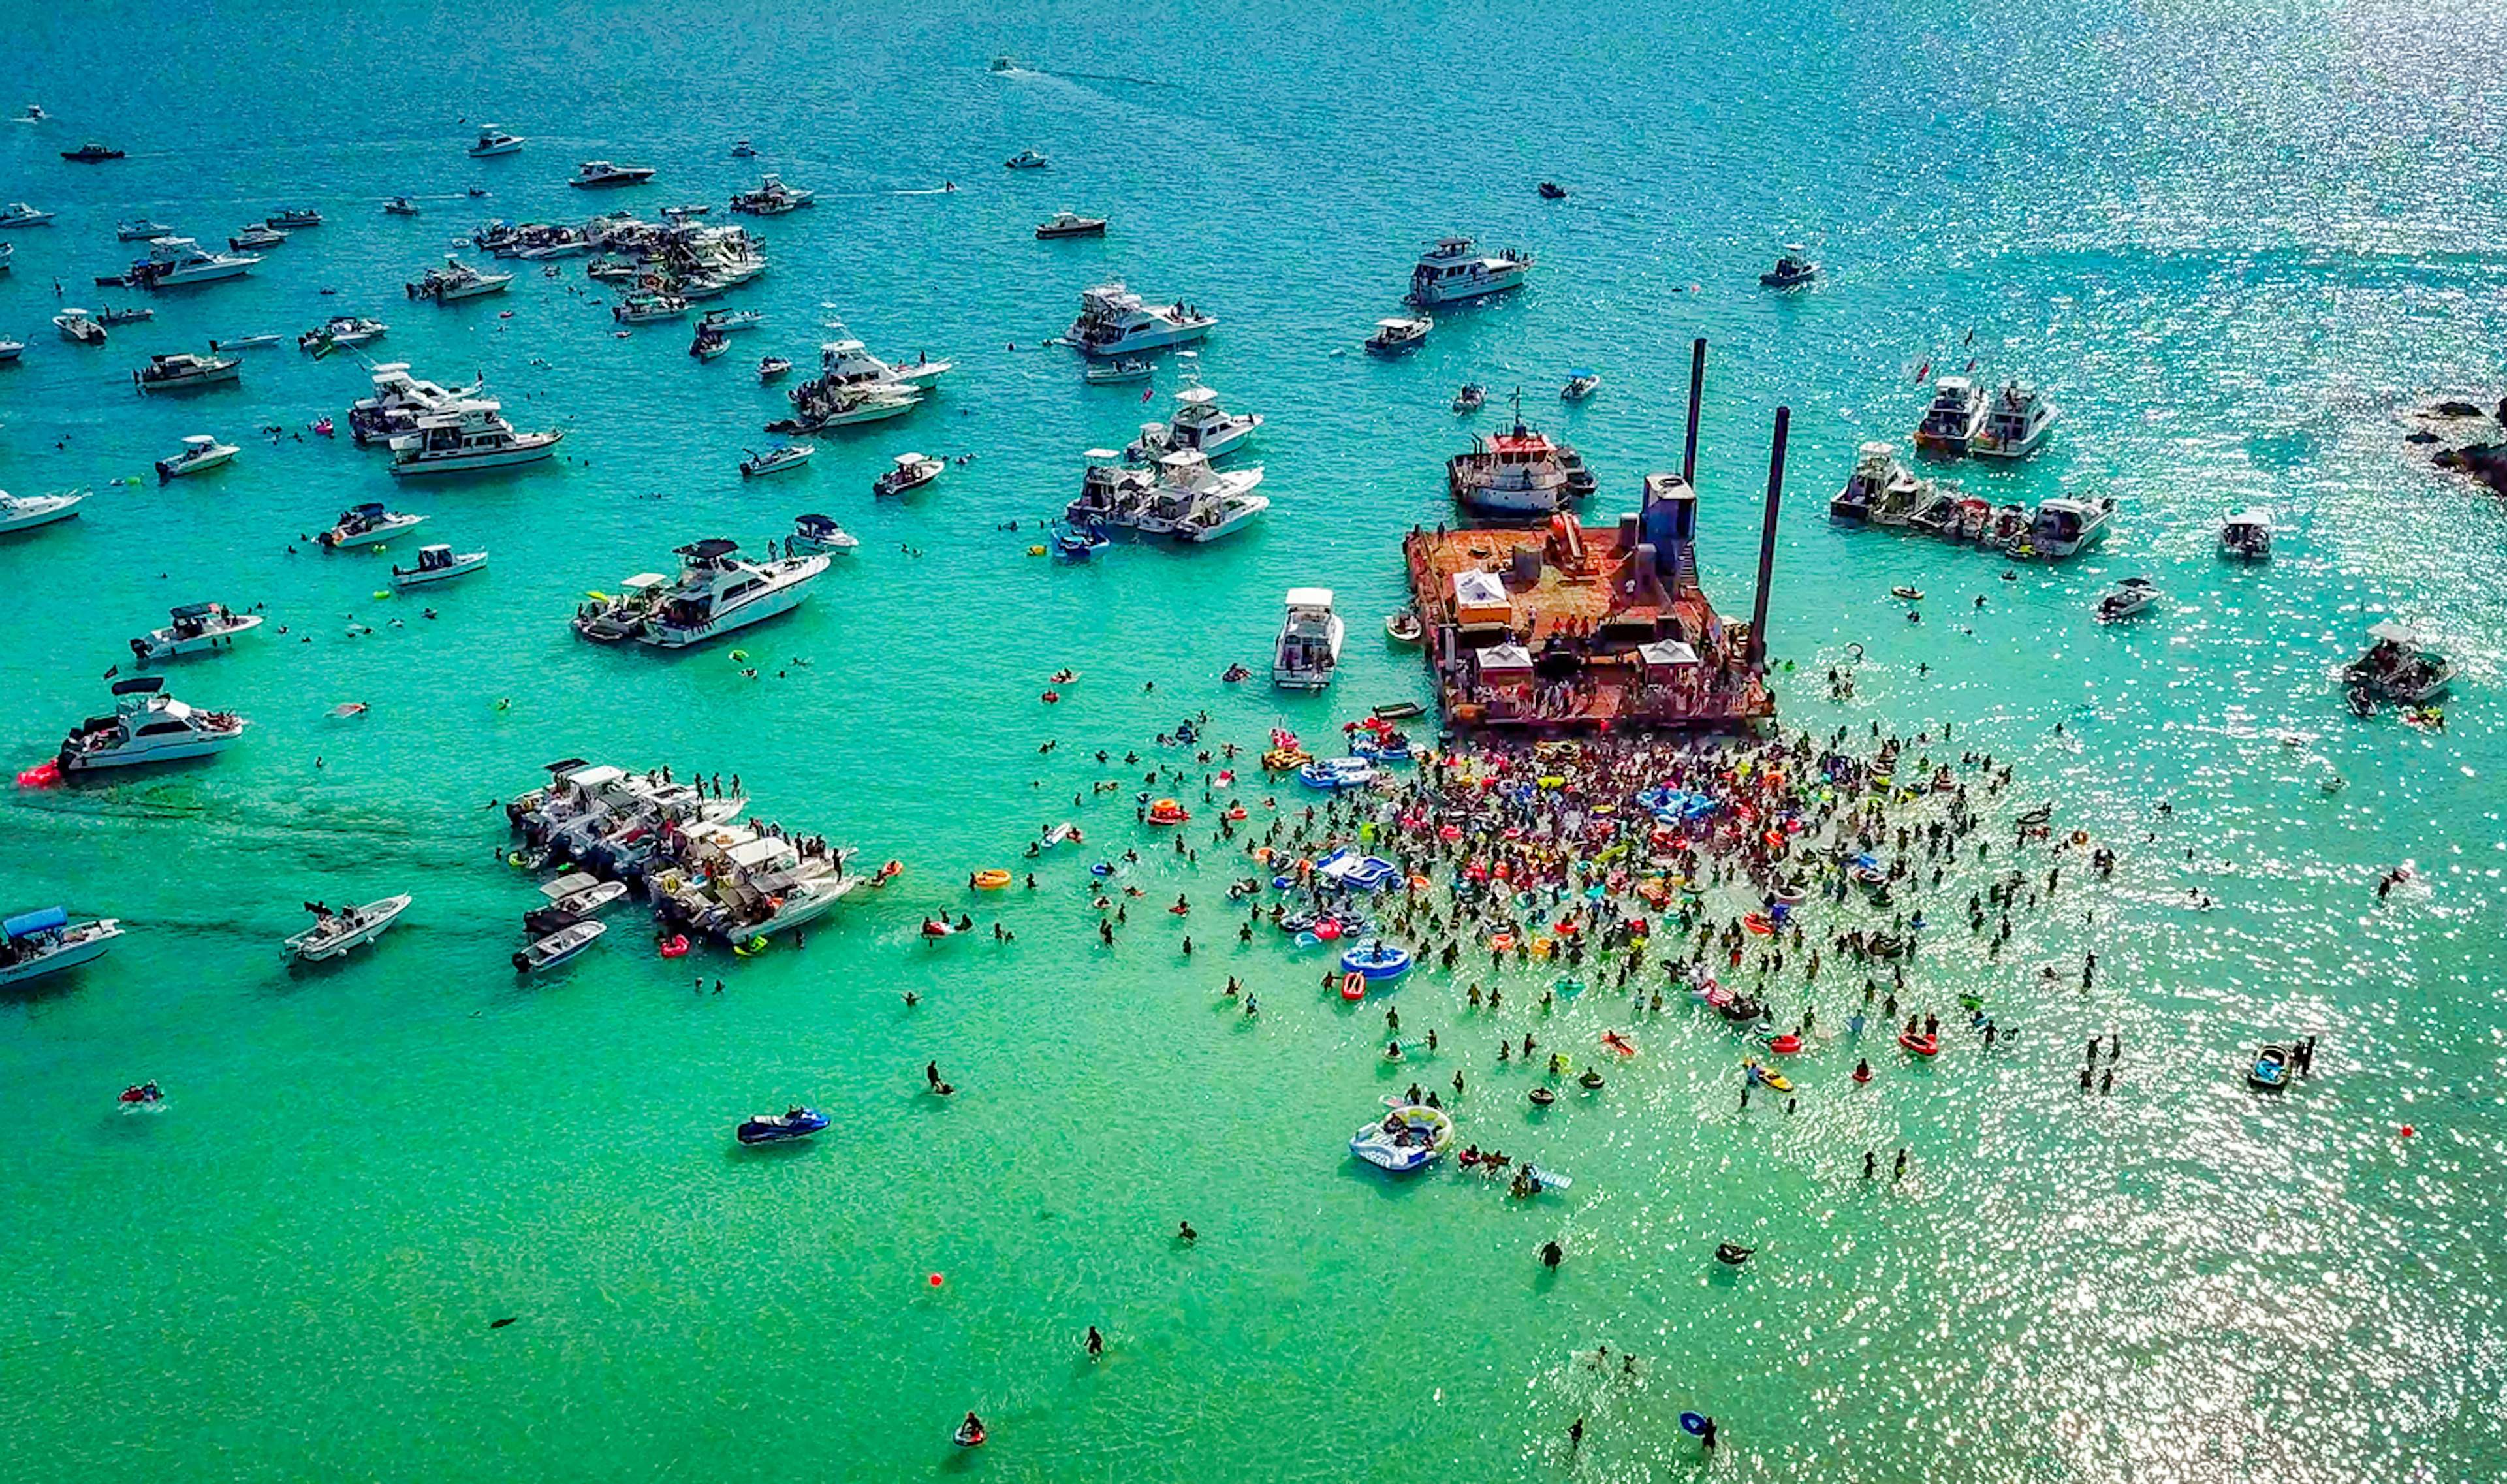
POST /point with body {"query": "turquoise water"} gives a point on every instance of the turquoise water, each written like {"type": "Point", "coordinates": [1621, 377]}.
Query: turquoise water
{"type": "Point", "coordinates": [2230, 243]}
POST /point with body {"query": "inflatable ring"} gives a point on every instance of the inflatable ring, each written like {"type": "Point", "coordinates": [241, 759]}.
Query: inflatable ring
{"type": "Point", "coordinates": [1050, 697]}
{"type": "Point", "coordinates": [1353, 987]}
{"type": "Point", "coordinates": [1502, 942]}
{"type": "Point", "coordinates": [1419, 884]}
{"type": "Point", "coordinates": [1758, 922]}
{"type": "Point", "coordinates": [676, 947]}
{"type": "Point", "coordinates": [992, 880]}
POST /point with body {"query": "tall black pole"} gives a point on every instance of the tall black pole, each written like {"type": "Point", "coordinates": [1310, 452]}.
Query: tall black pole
{"type": "Point", "coordinates": [1696, 394]}
{"type": "Point", "coordinates": [1756, 658]}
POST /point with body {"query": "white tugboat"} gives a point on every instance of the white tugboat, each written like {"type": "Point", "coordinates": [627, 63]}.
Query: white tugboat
{"type": "Point", "coordinates": [147, 726]}
{"type": "Point", "coordinates": [1310, 640]}
{"type": "Point", "coordinates": [469, 437]}
{"type": "Point", "coordinates": [1455, 270]}
{"type": "Point", "coordinates": [717, 593]}
{"type": "Point", "coordinates": [195, 629]}
{"type": "Point", "coordinates": [1114, 321]}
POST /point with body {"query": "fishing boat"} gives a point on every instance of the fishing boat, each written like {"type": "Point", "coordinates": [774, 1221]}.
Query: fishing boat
{"type": "Point", "coordinates": [1027, 159]}
{"type": "Point", "coordinates": [79, 328]}
{"type": "Point", "coordinates": [1398, 334]}
{"type": "Point", "coordinates": [1454, 270]}
{"type": "Point", "coordinates": [1406, 1139]}
{"type": "Point", "coordinates": [147, 726]}
{"type": "Point", "coordinates": [1118, 372]}
{"type": "Point", "coordinates": [790, 456]}
{"type": "Point", "coordinates": [33, 943]}
{"type": "Point", "coordinates": [2017, 423]}
{"type": "Point", "coordinates": [465, 438]}
{"type": "Point", "coordinates": [200, 451]}
{"type": "Point", "coordinates": [20, 214]}
{"type": "Point", "coordinates": [257, 236]}
{"type": "Point", "coordinates": [92, 152]}
{"type": "Point", "coordinates": [772, 198]}
{"type": "Point", "coordinates": [1794, 268]}
{"type": "Point", "coordinates": [141, 230]}
{"type": "Point", "coordinates": [2068, 525]}
{"type": "Point", "coordinates": [455, 281]}
{"type": "Point", "coordinates": [716, 593]}
{"type": "Point", "coordinates": [1187, 483]}
{"type": "Point", "coordinates": [545, 954]}
{"type": "Point", "coordinates": [436, 563]}
{"type": "Point", "coordinates": [818, 533]}
{"type": "Point", "coordinates": [1114, 322]}
{"type": "Point", "coordinates": [2131, 595]}
{"type": "Point", "coordinates": [1070, 224]}
{"type": "Point", "coordinates": [911, 471]}
{"type": "Point", "coordinates": [2400, 666]}
{"type": "Point", "coordinates": [857, 405]}
{"type": "Point", "coordinates": [183, 371]}
{"type": "Point", "coordinates": [581, 893]}
{"type": "Point", "coordinates": [493, 140]}
{"type": "Point", "coordinates": [2248, 535]}
{"type": "Point", "coordinates": [1222, 508]}
{"type": "Point", "coordinates": [786, 1127]}
{"type": "Point", "coordinates": [178, 260]}
{"type": "Point", "coordinates": [1197, 425]}
{"type": "Point", "coordinates": [195, 629]}
{"type": "Point", "coordinates": [1308, 650]}
{"type": "Point", "coordinates": [294, 218]}
{"type": "Point", "coordinates": [1877, 478]}
{"type": "Point", "coordinates": [1580, 386]}
{"type": "Point", "coordinates": [335, 931]}
{"type": "Point", "coordinates": [26, 511]}
{"type": "Point", "coordinates": [1955, 419]}
{"type": "Point", "coordinates": [366, 525]}
{"type": "Point", "coordinates": [597, 174]}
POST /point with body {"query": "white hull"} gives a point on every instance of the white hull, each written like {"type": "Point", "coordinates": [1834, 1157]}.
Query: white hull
{"type": "Point", "coordinates": [376, 536]}
{"type": "Point", "coordinates": [1305, 678]}
{"type": "Point", "coordinates": [192, 383]}
{"type": "Point", "coordinates": [304, 948]}
{"type": "Point", "coordinates": [162, 647]}
{"type": "Point", "coordinates": [1464, 293]}
{"type": "Point", "coordinates": [467, 563]}
{"type": "Point", "coordinates": [492, 284]}
{"type": "Point", "coordinates": [873, 411]}
{"type": "Point", "coordinates": [86, 950]}
{"type": "Point", "coordinates": [207, 272]}
{"type": "Point", "coordinates": [466, 462]}
{"type": "Point", "coordinates": [39, 512]}
{"type": "Point", "coordinates": [807, 903]}
{"type": "Point", "coordinates": [176, 468]}
{"type": "Point", "coordinates": [764, 605]}
{"type": "Point", "coordinates": [1239, 516]}
{"type": "Point", "coordinates": [169, 750]}
{"type": "Point", "coordinates": [502, 146]}
{"type": "Point", "coordinates": [1146, 340]}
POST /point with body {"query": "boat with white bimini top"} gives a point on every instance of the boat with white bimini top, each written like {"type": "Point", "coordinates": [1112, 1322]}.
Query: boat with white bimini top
{"type": "Point", "coordinates": [455, 281]}
{"type": "Point", "coordinates": [911, 472]}
{"type": "Point", "coordinates": [26, 511]}
{"type": "Point", "coordinates": [848, 363]}
{"type": "Point", "coordinates": [200, 451]}
{"type": "Point", "coordinates": [1581, 383]}
{"type": "Point", "coordinates": [820, 534]}
{"type": "Point", "coordinates": [1454, 270]}
{"type": "Point", "coordinates": [717, 593]}
{"type": "Point", "coordinates": [196, 629]}
{"type": "Point", "coordinates": [183, 371]}
{"type": "Point", "coordinates": [365, 526]}
{"type": "Point", "coordinates": [593, 174]}
{"type": "Point", "coordinates": [1114, 321]}
{"type": "Point", "coordinates": [493, 140]}
{"type": "Point", "coordinates": [33, 943]}
{"type": "Point", "coordinates": [1197, 425]}
{"type": "Point", "coordinates": [609, 618]}
{"type": "Point", "coordinates": [2134, 595]}
{"type": "Point", "coordinates": [2070, 524]}
{"type": "Point", "coordinates": [1398, 335]}
{"type": "Point", "coordinates": [335, 931]}
{"type": "Point", "coordinates": [2247, 534]}
{"type": "Point", "coordinates": [436, 563]}
{"type": "Point", "coordinates": [1218, 513]}
{"type": "Point", "coordinates": [1310, 640]}
{"type": "Point", "coordinates": [2401, 665]}
{"type": "Point", "coordinates": [1408, 1138]}
{"type": "Point", "coordinates": [1187, 487]}
{"type": "Point", "coordinates": [1792, 268]}
{"type": "Point", "coordinates": [147, 726]}
{"type": "Point", "coordinates": [2015, 424]}
{"type": "Point", "coordinates": [468, 437]}
{"type": "Point", "coordinates": [79, 327]}
{"type": "Point", "coordinates": [790, 456]}
{"type": "Point", "coordinates": [1955, 419]}
{"type": "Point", "coordinates": [1877, 477]}
{"type": "Point", "coordinates": [178, 260]}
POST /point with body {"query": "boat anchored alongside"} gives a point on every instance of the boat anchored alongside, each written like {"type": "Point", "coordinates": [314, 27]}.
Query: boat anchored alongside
{"type": "Point", "coordinates": [436, 563]}
{"type": "Point", "coordinates": [1197, 425]}
{"type": "Point", "coordinates": [182, 371]}
{"type": "Point", "coordinates": [1878, 478]}
{"type": "Point", "coordinates": [1114, 322]}
{"type": "Point", "coordinates": [33, 943]}
{"type": "Point", "coordinates": [366, 524]}
{"type": "Point", "coordinates": [1310, 640]}
{"type": "Point", "coordinates": [2068, 524]}
{"type": "Point", "coordinates": [471, 436]}
{"type": "Point", "coordinates": [545, 954]}
{"type": "Point", "coordinates": [195, 629]}
{"type": "Point", "coordinates": [200, 451]}
{"type": "Point", "coordinates": [1955, 419]}
{"type": "Point", "coordinates": [2017, 424]}
{"type": "Point", "coordinates": [1454, 270]}
{"type": "Point", "coordinates": [335, 931]}
{"type": "Point", "coordinates": [911, 472]}
{"type": "Point", "coordinates": [147, 726]}
{"type": "Point", "coordinates": [1399, 335]}
{"type": "Point", "coordinates": [717, 593]}
{"type": "Point", "coordinates": [2248, 535]}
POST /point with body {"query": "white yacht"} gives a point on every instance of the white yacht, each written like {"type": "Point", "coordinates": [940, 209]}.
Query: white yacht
{"type": "Point", "coordinates": [1114, 321]}
{"type": "Point", "coordinates": [2015, 424]}
{"type": "Point", "coordinates": [845, 363]}
{"type": "Point", "coordinates": [1455, 270]}
{"type": "Point", "coordinates": [455, 281]}
{"type": "Point", "coordinates": [196, 629]}
{"type": "Point", "coordinates": [716, 593]}
{"type": "Point", "coordinates": [335, 931]}
{"type": "Point", "coordinates": [33, 943]}
{"type": "Point", "coordinates": [596, 174]}
{"type": "Point", "coordinates": [147, 726]}
{"type": "Point", "coordinates": [200, 451]}
{"type": "Point", "coordinates": [79, 327]}
{"type": "Point", "coordinates": [470, 436]}
{"type": "Point", "coordinates": [2248, 535]}
{"type": "Point", "coordinates": [436, 563]}
{"type": "Point", "coordinates": [493, 140]}
{"type": "Point", "coordinates": [1198, 425]}
{"type": "Point", "coordinates": [26, 511]}
{"type": "Point", "coordinates": [1187, 487]}
{"type": "Point", "coordinates": [366, 525]}
{"type": "Point", "coordinates": [399, 400]}
{"type": "Point", "coordinates": [1310, 637]}
{"type": "Point", "coordinates": [2066, 524]}
{"type": "Point", "coordinates": [1955, 419]}
{"type": "Point", "coordinates": [772, 198]}
{"type": "Point", "coordinates": [1877, 476]}
{"type": "Point", "coordinates": [144, 230]}
{"type": "Point", "coordinates": [20, 214]}
{"type": "Point", "coordinates": [173, 261]}
{"type": "Point", "coordinates": [182, 371]}
{"type": "Point", "coordinates": [1215, 514]}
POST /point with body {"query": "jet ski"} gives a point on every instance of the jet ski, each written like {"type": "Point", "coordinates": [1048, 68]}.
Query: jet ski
{"type": "Point", "coordinates": [782, 1128]}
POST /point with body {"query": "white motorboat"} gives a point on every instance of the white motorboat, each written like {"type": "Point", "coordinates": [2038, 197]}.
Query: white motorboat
{"type": "Point", "coordinates": [33, 943]}
{"type": "Point", "coordinates": [772, 198]}
{"type": "Point", "coordinates": [1310, 638]}
{"type": "Point", "coordinates": [609, 618]}
{"type": "Point", "coordinates": [1936, 513]}
{"type": "Point", "coordinates": [1198, 425]}
{"type": "Point", "coordinates": [366, 525]}
{"type": "Point", "coordinates": [1955, 419]}
{"type": "Point", "coordinates": [773, 366]}
{"type": "Point", "coordinates": [196, 629]}
{"type": "Point", "coordinates": [469, 437]}
{"type": "Point", "coordinates": [820, 534]}
{"type": "Point", "coordinates": [580, 894]}
{"type": "Point", "coordinates": [548, 952]}
{"type": "Point", "coordinates": [910, 472]}
{"type": "Point", "coordinates": [845, 363]}
{"type": "Point", "coordinates": [142, 230]}
{"type": "Point", "coordinates": [178, 260]}
{"type": "Point", "coordinates": [1471, 398]}
{"type": "Point", "coordinates": [790, 456]}
{"type": "Point", "coordinates": [342, 332]}
{"type": "Point", "coordinates": [20, 214]}
{"type": "Point", "coordinates": [244, 342]}
{"type": "Point", "coordinates": [2015, 424]}
{"type": "Point", "coordinates": [1580, 385]}
{"type": "Point", "coordinates": [1027, 159]}
{"type": "Point", "coordinates": [1406, 1139]}
{"type": "Point", "coordinates": [2128, 597]}
{"type": "Point", "coordinates": [400, 206]}
{"type": "Point", "coordinates": [79, 327]}
{"type": "Point", "coordinates": [717, 593]}
{"type": "Point", "coordinates": [1215, 515]}
{"type": "Point", "coordinates": [1398, 335]}
{"type": "Point", "coordinates": [200, 451]}
{"type": "Point", "coordinates": [257, 236]}
{"type": "Point", "coordinates": [182, 371]}
{"type": "Point", "coordinates": [399, 400]}
{"type": "Point", "coordinates": [2247, 534]}
{"type": "Point", "coordinates": [293, 218]}
{"type": "Point", "coordinates": [11, 349]}
{"type": "Point", "coordinates": [2401, 665]}
{"type": "Point", "coordinates": [335, 931]}
{"type": "Point", "coordinates": [1187, 487]}
{"type": "Point", "coordinates": [493, 140]}
{"type": "Point", "coordinates": [1405, 627]}
{"type": "Point", "coordinates": [1114, 322]}
{"type": "Point", "coordinates": [1114, 373]}
{"type": "Point", "coordinates": [1792, 268]}
{"type": "Point", "coordinates": [867, 404]}
{"type": "Point", "coordinates": [726, 321]}
{"type": "Point", "coordinates": [1070, 223]}
{"type": "Point", "coordinates": [803, 902]}
{"type": "Point", "coordinates": [2008, 530]}
{"type": "Point", "coordinates": [2066, 524]}
{"type": "Point", "coordinates": [26, 511]}
{"type": "Point", "coordinates": [1455, 270]}
{"type": "Point", "coordinates": [147, 726]}
{"type": "Point", "coordinates": [455, 281]}
{"type": "Point", "coordinates": [436, 563]}
{"type": "Point", "coordinates": [594, 175]}
{"type": "Point", "coordinates": [1877, 477]}
{"type": "Point", "coordinates": [648, 309]}
{"type": "Point", "coordinates": [743, 150]}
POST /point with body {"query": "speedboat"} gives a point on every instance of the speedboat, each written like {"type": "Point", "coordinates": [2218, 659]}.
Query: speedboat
{"type": "Point", "coordinates": [494, 141]}
{"type": "Point", "coordinates": [818, 533]}
{"type": "Point", "coordinates": [1877, 475]}
{"type": "Point", "coordinates": [79, 327]}
{"type": "Point", "coordinates": [147, 726]}
{"type": "Point", "coordinates": [726, 321]}
{"type": "Point", "coordinates": [2400, 666]}
{"type": "Point", "coordinates": [1405, 627]}
{"type": "Point", "coordinates": [182, 371]}
{"type": "Point", "coordinates": [912, 471]}
{"type": "Point", "coordinates": [366, 525]}
{"type": "Point", "coordinates": [1027, 159]}
{"type": "Point", "coordinates": [1792, 268]}
{"type": "Point", "coordinates": [1198, 425]}
{"type": "Point", "coordinates": [1332, 775]}
{"type": "Point", "coordinates": [142, 230]}
{"type": "Point", "coordinates": [1975, 519]}
{"type": "Point", "coordinates": [2126, 598]}
{"type": "Point", "coordinates": [200, 451]}
{"type": "Point", "coordinates": [33, 943]}
{"type": "Point", "coordinates": [257, 236]}
{"type": "Point", "coordinates": [1396, 335]}
{"type": "Point", "coordinates": [596, 174]}
{"type": "Point", "coordinates": [337, 930]}
{"type": "Point", "coordinates": [1455, 270]}
{"type": "Point", "coordinates": [92, 152]}
{"type": "Point", "coordinates": [1118, 372]}
{"type": "Point", "coordinates": [648, 309]}
{"type": "Point", "coordinates": [782, 1128]}
{"type": "Point", "coordinates": [1070, 224]}
{"type": "Point", "coordinates": [773, 366]}
{"type": "Point", "coordinates": [400, 206]}
{"type": "Point", "coordinates": [341, 331]}
{"type": "Point", "coordinates": [2008, 528]}
{"type": "Point", "coordinates": [469, 436]}
{"type": "Point", "coordinates": [294, 218]}
{"type": "Point", "coordinates": [743, 150]}
{"type": "Point", "coordinates": [1580, 386]}
{"type": "Point", "coordinates": [1955, 419]}
{"type": "Point", "coordinates": [173, 261]}
{"type": "Point", "coordinates": [26, 511]}
{"type": "Point", "coordinates": [455, 281]}
{"type": "Point", "coordinates": [717, 593]}
{"type": "Point", "coordinates": [2017, 423]}
{"type": "Point", "coordinates": [2247, 534]}
{"type": "Point", "coordinates": [196, 628]}
{"type": "Point", "coordinates": [1078, 540]}
{"type": "Point", "coordinates": [790, 456]}
{"type": "Point", "coordinates": [772, 198]}
{"type": "Point", "coordinates": [548, 952]}
{"type": "Point", "coordinates": [875, 404]}
{"type": "Point", "coordinates": [436, 563]}
{"type": "Point", "coordinates": [1406, 1139]}
{"type": "Point", "coordinates": [582, 894]}
{"type": "Point", "coordinates": [1309, 644]}
{"type": "Point", "coordinates": [20, 214]}
{"type": "Point", "coordinates": [1114, 322]}
{"type": "Point", "coordinates": [2066, 524]}
{"type": "Point", "coordinates": [709, 343]}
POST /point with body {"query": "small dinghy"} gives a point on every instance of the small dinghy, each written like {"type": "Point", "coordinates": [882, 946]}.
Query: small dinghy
{"type": "Point", "coordinates": [782, 1128]}
{"type": "Point", "coordinates": [1405, 627]}
{"type": "Point", "coordinates": [2271, 1069]}
{"type": "Point", "coordinates": [789, 455]}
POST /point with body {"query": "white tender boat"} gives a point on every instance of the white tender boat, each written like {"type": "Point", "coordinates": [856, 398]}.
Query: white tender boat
{"type": "Point", "coordinates": [26, 511]}
{"type": "Point", "coordinates": [196, 629]}
{"type": "Point", "coordinates": [911, 471]}
{"type": "Point", "coordinates": [20, 214]}
{"type": "Point", "coordinates": [1310, 640]}
{"type": "Point", "coordinates": [717, 593]}
{"type": "Point", "coordinates": [436, 563]}
{"type": "Point", "coordinates": [1878, 478]}
{"type": "Point", "coordinates": [335, 932]}
{"type": "Point", "coordinates": [178, 260]}
{"type": "Point", "coordinates": [1580, 386]}
{"type": "Point", "coordinates": [343, 330]}
{"type": "Point", "coordinates": [2015, 424]}
{"type": "Point", "coordinates": [182, 371]}
{"type": "Point", "coordinates": [79, 327]}
{"type": "Point", "coordinates": [1408, 1138]}
{"type": "Point", "coordinates": [200, 451]}
{"type": "Point", "coordinates": [493, 140]}
{"type": "Point", "coordinates": [469, 437]}
{"type": "Point", "coordinates": [2066, 524]}
{"type": "Point", "coordinates": [1398, 334]}
{"type": "Point", "coordinates": [366, 525]}
{"type": "Point", "coordinates": [790, 456]}
{"type": "Point", "coordinates": [548, 952]}
{"type": "Point", "coordinates": [147, 726]}
{"type": "Point", "coordinates": [455, 281]}
{"type": "Point", "coordinates": [820, 534]}
{"type": "Point", "coordinates": [1198, 425]}
{"type": "Point", "coordinates": [846, 363]}
{"type": "Point", "coordinates": [2128, 597]}
{"type": "Point", "coordinates": [33, 943]}
{"type": "Point", "coordinates": [772, 198]}
{"type": "Point", "coordinates": [1955, 419]}
{"type": "Point", "coordinates": [1114, 322]}
{"type": "Point", "coordinates": [142, 230]}
{"type": "Point", "coordinates": [1454, 270]}
{"type": "Point", "coordinates": [2247, 534]}
{"type": "Point", "coordinates": [1118, 372]}
{"type": "Point", "coordinates": [594, 175]}
{"type": "Point", "coordinates": [580, 894]}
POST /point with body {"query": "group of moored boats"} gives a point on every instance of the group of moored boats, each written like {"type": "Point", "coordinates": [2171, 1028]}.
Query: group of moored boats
{"type": "Point", "coordinates": [1882, 491]}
